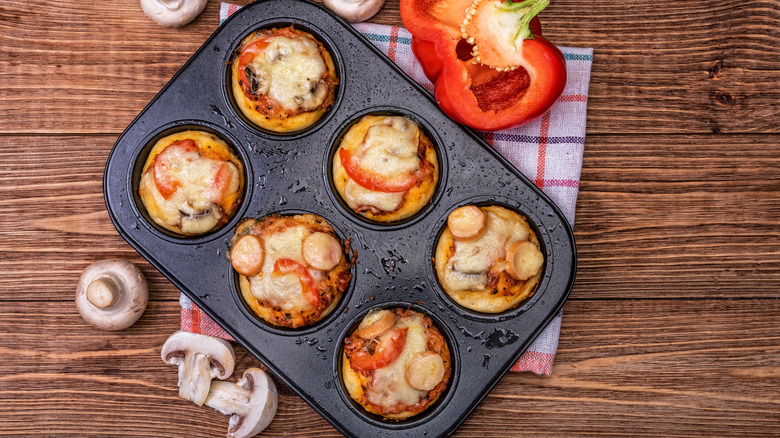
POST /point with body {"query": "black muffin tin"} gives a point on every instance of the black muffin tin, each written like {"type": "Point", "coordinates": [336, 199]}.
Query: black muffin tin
{"type": "Point", "coordinates": [290, 173]}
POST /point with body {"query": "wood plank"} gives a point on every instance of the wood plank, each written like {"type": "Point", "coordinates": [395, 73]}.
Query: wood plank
{"type": "Point", "coordinates": [658, 217]}
{"type": "Point", "coordinates": [670, 66]}
{"type": "Point", "coordinates": [679, 216]}
{"type": "Point", "coordinates": [68, 379]}
{"type": "Point", "coordinates": [632, 368]}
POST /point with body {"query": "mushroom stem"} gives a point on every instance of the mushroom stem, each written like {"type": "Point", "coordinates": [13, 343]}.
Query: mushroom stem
{"type": "Point", "coordinates": [251, 403]}
{"type": "Point", "coordinates": [200, 358]}
{"type": "Point", "coordinates": [228, 398]}
{"type": "Point", "coordinates": [103, 291]}
{"type": "Point", "coordinates": [195, 378]}
{"type": "Point", "coordinates": [112, 294]}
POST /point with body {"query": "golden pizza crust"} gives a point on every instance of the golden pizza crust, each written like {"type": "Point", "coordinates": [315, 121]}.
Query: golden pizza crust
{"type": "Point", "coordinates": [417, 197]}
{"type": "Point", "coordinates": [504, 292]}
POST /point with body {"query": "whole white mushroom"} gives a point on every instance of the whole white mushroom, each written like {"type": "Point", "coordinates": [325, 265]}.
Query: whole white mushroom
{"type": "Point", "coordinates": [173, 13]}
{"type": "Point", "coordinates": [112, 294]}
{"type": "Point", "coordinates": [355, 10]}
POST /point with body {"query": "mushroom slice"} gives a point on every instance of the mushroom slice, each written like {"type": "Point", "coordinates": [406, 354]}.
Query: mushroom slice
{"type": "Point", "coordinates": [259, 79]}
{"type": "Point", "coordinates": [251, 402]}
{"type": "Point", "coordinates": [467, 223]}
{"type": "Point", "coordinates": [524, 259]}
{"type": "Point", "coordinates": [173, 13]}
{"type": "Point", "coordinates": [355, 10]}
{"type": "Point", "coordinates": [200, 358]}
{"type": "Point", "coordinates": [198, 220]}
{"type": "Point", "coordinates": [321, 251]}
{"type": "Point", "coordinates": [112, 294]}
{"type": "Point", "coordinates": [313, 99]}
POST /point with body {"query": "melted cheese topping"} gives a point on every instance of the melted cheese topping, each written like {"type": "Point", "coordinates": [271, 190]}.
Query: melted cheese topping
{"type": "Point", "coordinates": [468, 267]}
{"type": "Point", "coordinates": [387, 147]}
{"type": "Point", "coordinates": [389, 386]}
{"type": "Point", "coordinates": [390, 148]}
{"type": "Point", "coordinates": [358, 196]}
{"type": "Point", "coordinates": [284, 291]}
{"type": "Point", "coordinates": [196, 207]}
{"type": "Point", "coordinates": [293, 67]}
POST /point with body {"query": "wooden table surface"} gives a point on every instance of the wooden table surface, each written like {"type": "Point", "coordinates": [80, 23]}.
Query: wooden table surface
{"type": "Point", "coordinates": [673, 325]}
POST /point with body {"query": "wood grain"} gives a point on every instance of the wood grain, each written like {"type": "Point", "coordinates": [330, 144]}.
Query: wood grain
{"type": "Point", "coordinates": [688, 67]}
{"type": "Point", "coordinates": [679, 216]}
{"type": "Point", "coordinates": [632, 379]}
{"type": "Point", "coordinates": [647, 225]}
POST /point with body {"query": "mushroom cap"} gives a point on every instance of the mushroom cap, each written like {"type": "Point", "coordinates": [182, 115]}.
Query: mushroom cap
{"type": "Point", "coordinates": [117, 285]}
{"type": "Point", "coordinates": [355, 10]}
{"type": "Point", "coordinates": [200, 359]}
{"type": "Point", "coordinates": [173, 13]}
{"type": "Point", "coordinates": [219, 352]}
{"type": "Point", "coordinates": [262, 405]}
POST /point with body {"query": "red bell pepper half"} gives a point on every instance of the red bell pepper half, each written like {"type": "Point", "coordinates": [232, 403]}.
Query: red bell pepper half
{"type": "Point", "coordinates": [492, 68]}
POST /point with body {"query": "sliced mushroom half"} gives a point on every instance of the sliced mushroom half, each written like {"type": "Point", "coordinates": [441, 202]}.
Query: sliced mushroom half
{"type": "Point", "coordinates": [251, 403]}
{"type": "Point", "coordinates": [259, 79]}
{"type": "Point", "coordinates": [200, 358]}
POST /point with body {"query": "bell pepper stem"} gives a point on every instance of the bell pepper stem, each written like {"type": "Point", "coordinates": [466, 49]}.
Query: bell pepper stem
{"type": "Point", "coordinates": [533, 8]}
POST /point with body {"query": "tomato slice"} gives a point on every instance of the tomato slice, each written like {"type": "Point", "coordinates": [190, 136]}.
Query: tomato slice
{"type": "Point", "coordinates": [249, 53]}
{"type": "Point", "coordinates": [221, 183]}
{"type": "Point", "coordinates": [308, 286]}
{"type": "Point", "coordinates": [372, 357]}
{"type": "Point", "coordinates": [371, 180]}
{"type": "Point", "coordinates": [166, 183]}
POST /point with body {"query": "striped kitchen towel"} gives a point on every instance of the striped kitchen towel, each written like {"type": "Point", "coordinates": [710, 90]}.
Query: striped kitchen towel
{"type": "Point", "coordinates": [548, 151]}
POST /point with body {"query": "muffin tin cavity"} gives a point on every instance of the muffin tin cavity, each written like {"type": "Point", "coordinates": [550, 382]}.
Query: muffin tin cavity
{"type": "Point", "coordinates": [201, 131]}
{"type": "Point", "coordinates": [515, 310]}
{"type": "Point", "coordinates": [334, 172]}
{"type": "Point", "coordinates": [336, 308]}
{"type": "Point", "coordinates": [294, 126]}
{"type": "Point", "coordinates": [290, 173]}
{"type": "Point", "coordinates": [432, 410]}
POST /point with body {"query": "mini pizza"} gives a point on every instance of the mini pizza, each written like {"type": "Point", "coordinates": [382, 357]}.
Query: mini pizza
{"type": "Point", "coordinates": [192, 182]}
{"type": "Point", "coordinates": [385, 168]}
{"type": "Point", "coordinates": [396, 363]}
{"type": "Point", "coordinates": [488, 258]}
{"type": "Point", "coordinates": [283, 80]}
{"type": "Point", "coordinates": [292, 269]}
